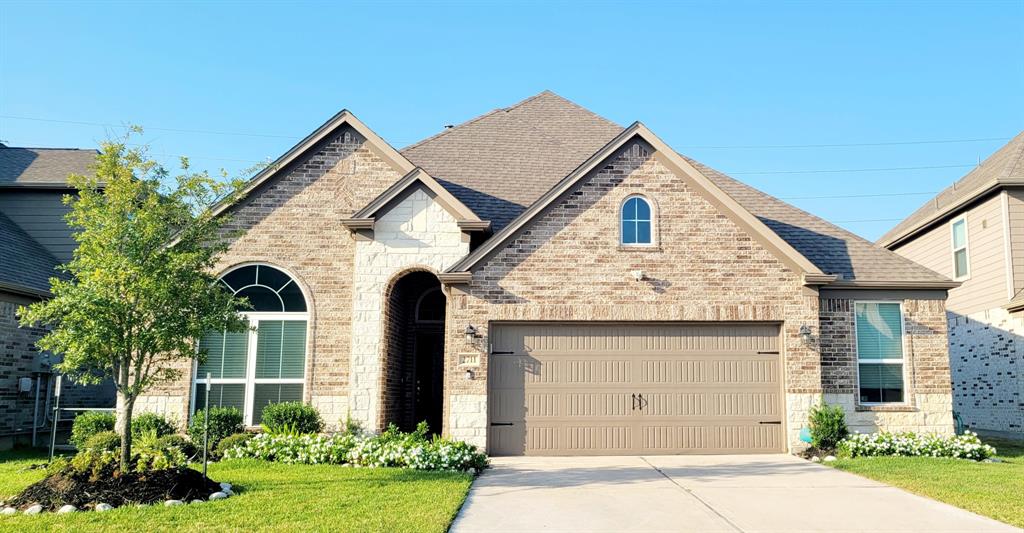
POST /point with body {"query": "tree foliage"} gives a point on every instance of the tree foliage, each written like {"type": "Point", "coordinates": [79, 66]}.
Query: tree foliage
{"type": "Point", "coordinates": [140, 287]}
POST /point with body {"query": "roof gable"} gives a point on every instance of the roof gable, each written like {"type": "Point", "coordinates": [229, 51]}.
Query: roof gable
{"type": "Point", "coordinates": [341, 119]}
{"type": "Point", "coordinates": [736, 212]}
{"type": "Point", "coordinates": [1002, 168]}
{"type": "Point", "coordinates": [417, 178]}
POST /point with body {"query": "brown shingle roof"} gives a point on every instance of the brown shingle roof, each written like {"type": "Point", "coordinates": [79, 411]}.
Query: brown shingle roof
{"type": "Point", "coordinates": [42, 167]}
{"type": "Point", "coordinates": [1006, 164]}
{"type": "Point", "coordinates": [500, 163]}
{"type": "Point", "coordinates": [831, 248]}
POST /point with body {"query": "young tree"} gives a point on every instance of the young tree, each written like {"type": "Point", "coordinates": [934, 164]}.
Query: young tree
{"type": "Point", "coordinates": [140, 288]}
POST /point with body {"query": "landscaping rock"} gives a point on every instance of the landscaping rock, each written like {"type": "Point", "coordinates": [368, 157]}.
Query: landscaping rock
{"type": "Point", "coordinates": [815, 459]}
{"type": "Point", "coordinates": [830, 458]}
{"type": "Point", "coordinates": [35, 509]}
{"type": "Point", "coordinates": [8, 511]}
{"type": "Point", "coordinates": [218, 496]}
{"type": "Point", "coordinates": [101, 507]}
{"type": "Point", "coordinates": [67, 509]}
{"type": "Point", "coordinates": [229, 492]}
{"type": "Point", "coordinates": [225, 486]}
{"type": "Point", "coordinates": [196, 501]}
{"type": "Point", "coordinates": [173, 503]}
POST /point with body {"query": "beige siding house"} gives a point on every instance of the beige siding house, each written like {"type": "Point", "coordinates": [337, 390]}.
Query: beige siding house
{"type": "Point", "coordinates": [34, 239]}
{"type": "Point", "coordinates": [540, 280]}
{"type": "Point", "coordinates": [973, 232]}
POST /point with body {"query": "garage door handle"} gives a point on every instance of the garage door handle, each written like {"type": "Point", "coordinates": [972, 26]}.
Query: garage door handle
{"type": "Point", "coordinates": [775, 422]}
{"type": "Point", "coordinates": [501, 423]}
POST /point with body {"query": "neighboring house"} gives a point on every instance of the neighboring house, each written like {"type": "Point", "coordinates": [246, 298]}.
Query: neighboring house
{"type": "Point", "coordinates": [973, 232]}
{"type": "Point", "coordinates": [540, 280]}
{"type": "Point", "coordinates": [34, 239]}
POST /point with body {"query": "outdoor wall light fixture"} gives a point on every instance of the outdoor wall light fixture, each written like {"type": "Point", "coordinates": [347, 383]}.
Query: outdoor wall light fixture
{"type": "Point", "coordinates": [470, 334]}
{"type": "Point", "coordinates": [469, 375]}
{"type": "Point", "coordinates": [805, 334]}
{"type": "Point", "coordinates": [638, 275]}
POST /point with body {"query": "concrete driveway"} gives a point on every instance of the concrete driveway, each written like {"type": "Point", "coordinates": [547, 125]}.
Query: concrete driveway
{"type": "Point", "coordinates": [697, 493]}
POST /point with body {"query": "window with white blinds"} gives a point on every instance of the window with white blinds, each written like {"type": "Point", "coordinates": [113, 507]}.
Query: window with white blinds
{"type": "Point", "coordinates": [880, 359]}
{"type": "Point", "coordinates": [261, 366]}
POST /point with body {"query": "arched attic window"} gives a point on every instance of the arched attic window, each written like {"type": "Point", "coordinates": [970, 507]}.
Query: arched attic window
{"type": "Point", "coordinates": [430, 306]}
{"type": "Point", "coordinates": [636, 222]}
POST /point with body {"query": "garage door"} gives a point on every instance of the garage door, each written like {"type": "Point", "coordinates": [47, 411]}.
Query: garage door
{"type": "Point", "coordinates": [621, 389]}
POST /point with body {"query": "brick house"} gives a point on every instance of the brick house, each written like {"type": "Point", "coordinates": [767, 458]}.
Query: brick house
{"type": "Point", "coordinates": [540, 280]}
{"type": "Point", "coordinates": [973, 232]}
{"type": "Point", "coordinates": [34, 239]}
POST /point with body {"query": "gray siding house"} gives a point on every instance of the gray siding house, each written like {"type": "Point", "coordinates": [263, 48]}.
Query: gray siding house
{"type": "Point", "coordinates": [34, 239]}
{"type": "Point", "coordinates": [973, 232]}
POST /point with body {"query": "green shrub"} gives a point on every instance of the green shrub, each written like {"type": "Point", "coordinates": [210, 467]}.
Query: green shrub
{"type": "Point", "coordinates": [104, 441]}
{"type": "Point", "coordinates": [232, 441]}
{"type": "Point", "coordinates": [96, 464]}
{"type": "Point", "coordinates": [828, 426]}
{"type": "Point", "coordinates": [224, 421]}
{"type": "Point", "coordinates": [176, 441]}
{"type": "Point", "coordinates": [88, 424]}
{"type": "Point", "coordinates": [292, 418]}
{"type": "Point", "coordinates": [151, 422]}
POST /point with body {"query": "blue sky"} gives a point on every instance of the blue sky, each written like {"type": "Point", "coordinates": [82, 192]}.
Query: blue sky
{"type": "Point", "coordinates": [711, 79]}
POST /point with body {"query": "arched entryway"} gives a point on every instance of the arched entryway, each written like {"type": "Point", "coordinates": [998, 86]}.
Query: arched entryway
{"type": "Point", "coordinates": [413, 372]}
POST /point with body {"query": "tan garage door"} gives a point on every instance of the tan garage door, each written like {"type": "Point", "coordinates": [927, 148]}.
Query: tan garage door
{"type": "Point", "coordinates": [621, 389]}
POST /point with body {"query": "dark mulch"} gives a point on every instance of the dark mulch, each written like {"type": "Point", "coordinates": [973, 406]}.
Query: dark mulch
{"type": "Point", "coordinates": [146, 488]}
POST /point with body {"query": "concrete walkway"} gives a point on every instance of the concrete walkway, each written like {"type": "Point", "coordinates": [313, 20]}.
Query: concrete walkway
{"type": "Point", "coordinates": [748, 493]}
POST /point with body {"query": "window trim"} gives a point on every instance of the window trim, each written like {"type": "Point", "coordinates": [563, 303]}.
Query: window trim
{"type": "Point", "coordinates": [966, 247]}
{"type": "Point", "coordinates": [621, 219]}
{"type": "Point", "coordinates": [903, 352]}
{"type": "Point", "coordinates": [419, 302]}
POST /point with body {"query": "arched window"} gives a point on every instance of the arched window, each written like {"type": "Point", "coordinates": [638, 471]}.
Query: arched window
{"type": "Point", "coordinates": [267, 288]}
{"type": "Point", "coordinates": [636, 221]}
{"type": "Point", "coordinates": [430, 306]}
{"type": "Point", "coordinates": [267, 364]}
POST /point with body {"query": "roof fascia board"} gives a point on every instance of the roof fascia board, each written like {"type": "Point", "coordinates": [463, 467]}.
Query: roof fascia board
{"type": "Point", "coordinates": [983, 190]}
{"type": "Point", "coordinates": [382, 148]}
{"type": "Point", "coordinates": [682, 168]}
{"type": "Point", "coordinates": [944, 285]}
{"type": "Point", "coordinates": [396, 191]}
{"type": "Point", "coordinates": [26, 291]}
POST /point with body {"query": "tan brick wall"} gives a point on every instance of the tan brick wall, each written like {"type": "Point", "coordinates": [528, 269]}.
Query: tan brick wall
{"type": "Point", "coordinates": [294, 222]}
{"type": "Point", "coordinates": [568, 265]}
{"type": "Point", "coordinates": [927, 378]}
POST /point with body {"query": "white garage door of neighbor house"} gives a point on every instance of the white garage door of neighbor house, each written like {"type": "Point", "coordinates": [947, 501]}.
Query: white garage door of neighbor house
{"type": "Point", "coordinates": [588, 388]}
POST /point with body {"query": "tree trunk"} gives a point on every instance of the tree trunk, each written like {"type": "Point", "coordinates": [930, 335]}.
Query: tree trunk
{"type": "Point", "coordinates": [123, 426]}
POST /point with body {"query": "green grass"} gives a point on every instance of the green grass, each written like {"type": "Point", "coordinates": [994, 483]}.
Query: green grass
{"type": "Point", "coordinates": [272, 497]}
{"type": "Point", "coordinates": [991, 489]}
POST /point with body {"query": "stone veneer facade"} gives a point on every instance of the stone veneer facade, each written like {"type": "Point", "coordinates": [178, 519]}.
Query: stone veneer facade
{"type": "Point", "coordinates": [986, 352]}
{"type": "Point", "coordinates": [567, 265]}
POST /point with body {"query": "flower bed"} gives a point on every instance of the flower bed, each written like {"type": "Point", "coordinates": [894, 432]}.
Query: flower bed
{"type": "Point", "coordinates": [390, 449]}
{"type": "Point", "coordinates": [966, 446]}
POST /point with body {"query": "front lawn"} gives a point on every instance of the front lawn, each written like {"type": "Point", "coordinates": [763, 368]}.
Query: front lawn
{"type": "Point", "coordinates": [991, 489]}
{"type": "Point", "coordinates": [272, 496]}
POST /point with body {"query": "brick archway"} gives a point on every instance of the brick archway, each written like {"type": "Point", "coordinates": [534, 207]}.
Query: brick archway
{"type": "Point", "coordinates": [412, 374]}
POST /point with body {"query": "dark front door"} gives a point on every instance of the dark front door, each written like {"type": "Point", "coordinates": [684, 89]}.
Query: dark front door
{"type": "Point", "coordinates": [429, 356]}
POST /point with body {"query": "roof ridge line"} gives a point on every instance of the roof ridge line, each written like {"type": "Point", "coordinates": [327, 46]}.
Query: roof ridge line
{"type": "Point", "coordinates": [499, 110]}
